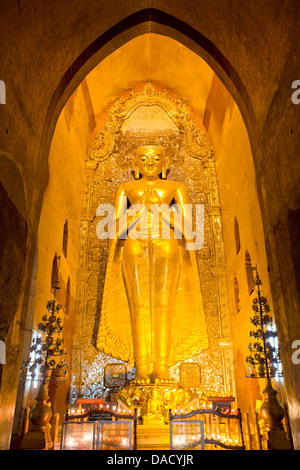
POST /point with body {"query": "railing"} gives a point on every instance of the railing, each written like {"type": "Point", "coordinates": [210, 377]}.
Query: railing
{"type": "Point", "coordinates": [107, 413]}
{"type": "Point", "coordinates": [252, 433]}
{"type": "Point", "coordinates": [220, 429]}
{"type": "Point", "coordinates": [249, 427]}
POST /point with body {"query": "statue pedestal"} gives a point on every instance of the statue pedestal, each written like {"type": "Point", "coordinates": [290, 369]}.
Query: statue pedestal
{"type": "Point", "coordinates": [153, 436]}
{"type": "Point", "coordinates": [153, 421]}
{"type": "Point", "coordinates": [38, 436]}
{"type": "Point", "coordinates": [276, 440]}
{"type": "Point", "coordinates": [274, 435]}
{"type": "Point", "coordinates": [37, 440]}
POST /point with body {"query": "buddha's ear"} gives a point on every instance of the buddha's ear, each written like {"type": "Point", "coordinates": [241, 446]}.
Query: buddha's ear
{"type": "Point", "coordinates": [136, 170]}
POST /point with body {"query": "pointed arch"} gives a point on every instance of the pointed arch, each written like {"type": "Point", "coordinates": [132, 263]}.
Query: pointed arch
{"type": "Point", "coordinates": [249, 272]}
{"type": "Point", "coordinates": [236, 294]}
{"type": "Point", "coordinates": [141, 22]}
{"type": "Point", "coordinates": [68, 295]}
{"type": "Point", "coordinates": [237, 236]}
{"type": "Point", "coordinates": [54, 273]}
{"type": "Point", "coordinates": [65, 239]}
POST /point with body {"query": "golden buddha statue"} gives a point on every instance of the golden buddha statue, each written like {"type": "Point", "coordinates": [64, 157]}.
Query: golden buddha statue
{"type": "Point", "coordinates": [152, 314]}
{"type": "Point", "coordinates": [154, 404]}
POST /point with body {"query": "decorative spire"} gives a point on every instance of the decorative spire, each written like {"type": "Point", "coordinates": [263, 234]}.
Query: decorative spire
{"type": "Point", "coordinates": [46, 362]}
{"type": "Point", "coordinates": [264, 360]}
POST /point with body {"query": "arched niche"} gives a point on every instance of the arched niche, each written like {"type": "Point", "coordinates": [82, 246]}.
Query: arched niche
{"type": "Point", "coordinates": [74, 136]}
{"type": "Point", "coordinates": [143, 22]}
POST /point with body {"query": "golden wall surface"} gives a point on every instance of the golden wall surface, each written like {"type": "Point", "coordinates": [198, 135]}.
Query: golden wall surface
{"type": "Point", "coordinates": [239, 200]}
{"type": "Point", "coordinates": [61, 203]}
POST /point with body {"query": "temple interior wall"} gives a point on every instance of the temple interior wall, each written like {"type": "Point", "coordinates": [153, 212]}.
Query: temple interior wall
{"type": "Point", "coordinates": [239, 200]}
{"type": "Point", "coordinates": [61, 203]}
{"type": "Point", "coordinates": [260, 41]}
{"type": "Point", "coordinates": [69, 145]}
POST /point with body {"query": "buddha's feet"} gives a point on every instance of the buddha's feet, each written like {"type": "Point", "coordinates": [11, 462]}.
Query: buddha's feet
{"type": "Point", "coordinates": [161, 373]}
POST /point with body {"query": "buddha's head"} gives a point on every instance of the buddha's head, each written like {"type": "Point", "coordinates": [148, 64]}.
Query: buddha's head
{"type": "Point", "coordinates": [150, 161]}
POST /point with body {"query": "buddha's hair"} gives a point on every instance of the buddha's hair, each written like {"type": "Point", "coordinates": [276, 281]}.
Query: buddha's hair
{"type": "Point", "coordinates": [156, 145]}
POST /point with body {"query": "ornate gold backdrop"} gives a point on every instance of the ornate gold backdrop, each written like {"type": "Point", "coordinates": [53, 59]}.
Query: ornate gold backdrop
{"type": "Point", "coordinates": [151, 115]}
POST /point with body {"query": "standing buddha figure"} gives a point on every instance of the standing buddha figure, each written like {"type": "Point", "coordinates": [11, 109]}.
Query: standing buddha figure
{"type": "Point", "coordinates": [152, 314]}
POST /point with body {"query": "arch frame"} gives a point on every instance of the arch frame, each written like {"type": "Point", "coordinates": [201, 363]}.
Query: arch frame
{"type": "Point", "coordinates": [142, 22]}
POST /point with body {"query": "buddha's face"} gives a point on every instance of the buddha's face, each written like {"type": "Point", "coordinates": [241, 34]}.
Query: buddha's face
{"type": "Point", "coordinates": [150, 160]}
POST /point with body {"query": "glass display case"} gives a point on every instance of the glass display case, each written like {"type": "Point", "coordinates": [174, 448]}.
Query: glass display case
{"type": "Point", "coordinates": [114, 435]}
{"type": "Point", "coordinates": [78, 435]}
{"type": "Point", "coordinates": [96, 435]}
{"type": "Point", "coordinates": [187, 435]}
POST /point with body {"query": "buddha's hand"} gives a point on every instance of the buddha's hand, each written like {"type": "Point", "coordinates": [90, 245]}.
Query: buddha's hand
{"type": "Point", "coordinates": [149, 197]}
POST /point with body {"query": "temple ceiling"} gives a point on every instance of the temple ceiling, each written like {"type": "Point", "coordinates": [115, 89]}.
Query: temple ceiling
{"type": "Point", "coordinates": [147, 58]}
